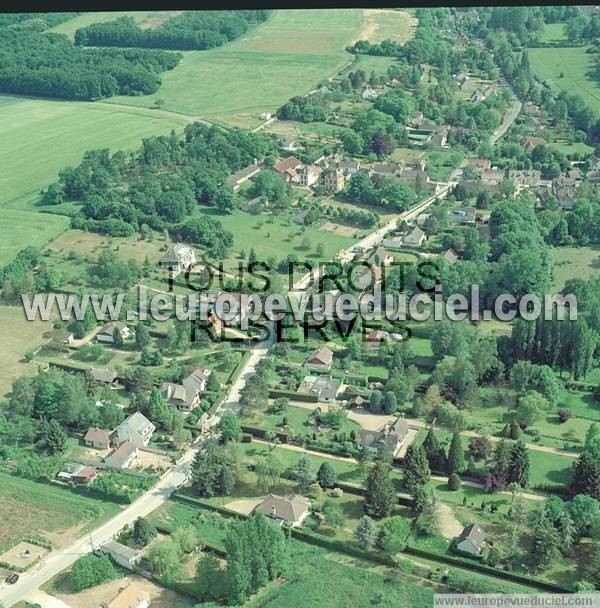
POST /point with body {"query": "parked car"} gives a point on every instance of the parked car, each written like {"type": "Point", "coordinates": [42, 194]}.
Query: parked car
{"type": "Point", "coordinates": [11, 579]}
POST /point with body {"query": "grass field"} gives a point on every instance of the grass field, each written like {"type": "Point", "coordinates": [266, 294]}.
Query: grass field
{"type": "Point", "coordinates": [41, 137]}
{"type": "Point", "coordinates": [388, 24]}
{"type": "Point", "coordinates": [29, 507]}
{"type": "Point", "coordinates": [19, 337]}
{"type": "Point", "coordinates": [18, 229]}
{"type": "Point", "coordinates": [574, 263]}
{"type": "Point", "coordinates": [288, 55]}
{"type": "Point", "coordinates": [69, 27]}
{"type": "Point", "coordinates": [274, 236]}
{"type": "Point", "coordinates": [553, 33]}
{"type": "Point", "coordinates": [576, 65]}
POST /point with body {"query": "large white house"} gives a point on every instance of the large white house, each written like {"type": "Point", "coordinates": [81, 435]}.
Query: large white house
{"type": "Point", "coordinates": [137, 429]}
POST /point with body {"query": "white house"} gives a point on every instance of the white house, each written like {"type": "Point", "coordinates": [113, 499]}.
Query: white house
{"type": "Point", "coordinates": [178, 259]}
{"type": "Point", "coordinates": [369, 94]}
{"type": "Point", "coordinates": [122, 457]}
{"type": "Point", "coordinates": [290, 511]}
{"type": "Point", "coordinates": [137, 429]}
{"type": "Point", "coordinates": [122, 555]}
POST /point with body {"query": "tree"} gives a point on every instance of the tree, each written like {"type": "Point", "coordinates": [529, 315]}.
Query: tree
{"type": "Point", "coordinates": [163, 556]}
{"type": "Point", "coordinates": [268, 471]}
{"type": "Point", "coordinates": [143, 532]}
{"type": "Point", "coordinates": [376, 401]}
{"type": "Point", "coordinates": [416, 469]}
{"type": "Point", "coordinates": [592, 569]}
{"type": "Point", "coordinates": [226, 481]}
{"type": "Point", "coordinates": [518, 468]}
{"type": "Point", "coordinates": [545, 542]}
{"type": "Point", "coordinates": [159, 410]}
{"type": "Point", "coordinates": [381, 496]}
{"type": "Point", "coordinates": [583, 510]}
{"type": "Point", "coordinates": [365, 532]}
{"type": "Point", "coordinates": [304, 472]}
{"type": "Point", "coordinates": [532, 407]}
{"type": "Point", "coordinates": [142, 337]}
{"type": "Point", "coordinates": [585, 476]}
{"type": "Point", "coordinates": [229, 427]}
{"type": "Point", "coordinates": [91, 570]}
{"type": "Point", "coordinates": [428, 522]}
{"type": "Point", "coordinates": [333, 514]}
{"type": "Point", "coordinates": [393, 534]}
{"type": "Point", "coordinates": [568, 532]}
{"type": "Point", "coordinates": [326, 476]}
{"type": "Point", "coordinates": [186, 538]}
{"type": "Point", "coordinates": [210, 579]}
{"type": "Point", "coordinates": [435, 454]}
{"type": "Point", "coordinates": [390, 403]}
{"type": "Point", "coordinates": [53, 437]}
{"type": "Point", "coordinates": [455, 463]}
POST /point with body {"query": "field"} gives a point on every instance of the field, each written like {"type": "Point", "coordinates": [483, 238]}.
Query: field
{"type": "Point", "coordinates": [41, 137]}
{"type": "Point", "coordinates": [18, 229]}
{"type": "Point", "coordinates": [20, 336]}
{"type": "Point", "coordinates": [553, 33]}
{"type": "Point", "coordinates": [38, 509]}
{"type": "Point", "coordinates": [387, 24]}
{"type": "Point", "coordinates": [288, 55]}
{"type": "Point", "coordinates": [69, 27]}
{"type": "Point", "coordinates": [274, 236]}
{"type": "Point", "coordinates": [576, 66]}
{"type": "Point", "coordinates": [574, 262]}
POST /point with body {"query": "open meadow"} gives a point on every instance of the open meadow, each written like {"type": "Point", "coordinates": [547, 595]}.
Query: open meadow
{"type": "Point", "coordinates": [569, 69]}
{"type": "Point", "coordinates": [288, 55]}
{"type": "Point", "coordinates": [72, 25]}
{"type": "Point", "coordinates": [574, 263]}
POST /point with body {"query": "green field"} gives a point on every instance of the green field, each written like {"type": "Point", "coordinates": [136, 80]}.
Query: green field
{"type": "Point", "coordinates": [574, 263]}
{"type": "Point", "coordinates": [554, 33]}
{"type": "Point", "coordinates": [288, 55]}
{"type": "Point", "coordinates": [577, 67]}
{"type": "Point", "coordinates": [18, 229]}
{"type": "Point", "coordinates": [274, 236]}
{"type": "Point", "coordinates": [40, 137]}
{"type": "Point", "coordinates": [29, 507]}
{"type": "Point", "coordinates": [69, 27]}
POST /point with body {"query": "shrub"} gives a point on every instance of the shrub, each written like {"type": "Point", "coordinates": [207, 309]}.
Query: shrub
{"type": "Point", "coordinates": [246, 438]}
{"type": "Point", "coordinates": [564, 415]}
{"type": "Point", "coordinates": [454, 482]}
{"type": "Point", "coordinates": [91, 570]}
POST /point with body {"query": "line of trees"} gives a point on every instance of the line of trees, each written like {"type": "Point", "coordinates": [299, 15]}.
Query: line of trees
{"type": "Point", "coordinates": [197, 30]}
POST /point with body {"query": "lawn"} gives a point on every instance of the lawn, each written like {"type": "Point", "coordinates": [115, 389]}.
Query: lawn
{"type": "Point", "coordinates": [576, 66]}
{"type": "Point", "coordinates": [553, 33]}
{"type": "Point", "coordinates": [574, 263]}
{"type": "Point", "coordinates": [274, 236]}
{"type": "Point", "coordinates": [19, 229]}
{"type": "Point", "coordinates": [288, 55]}
{"type": "Point", "coordinates": [49, 135]}
{"type": "Point", "coordinates": [29, 507]}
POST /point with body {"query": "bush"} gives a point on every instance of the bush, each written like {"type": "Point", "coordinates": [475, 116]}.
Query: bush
{"type": "Point", "coordinates": [454, 482]}
{"type": "Point", "coordinates": [564, 415]}
{"type": "Point", "coordinates": [91, 570]}
{"type": "Point", "coordinates": [245, 438]}
{"type": "Point", "coordinates": [337, 492]}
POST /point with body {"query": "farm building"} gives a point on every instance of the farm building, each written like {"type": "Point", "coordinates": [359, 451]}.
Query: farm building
{"type": "Point", "coordinates": [107, 333]}
{"type": "Point", "coordinates": [121, 554]}
{"type": "Point", "coordinates": [104, 376]}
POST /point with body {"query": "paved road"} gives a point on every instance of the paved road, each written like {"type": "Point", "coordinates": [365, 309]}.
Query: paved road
{"type": "Point", "coordinates": [515, 108]}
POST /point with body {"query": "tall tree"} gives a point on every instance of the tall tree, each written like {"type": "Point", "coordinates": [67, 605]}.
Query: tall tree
{"type": "Point", "coordinates": [518, 469]}
{"type": "Point", "coordinates": [365, 532]}
{"type": "Point", "coordinates": [381, 496]}
{"type": "Point", "coordinates": [455, 463]}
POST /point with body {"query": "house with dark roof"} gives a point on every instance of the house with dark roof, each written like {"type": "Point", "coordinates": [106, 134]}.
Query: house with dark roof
{"type": "Point", "coordinates": [471, 541]}
{"type": "Point", "coordinates": [104, 376]}
{"type": "Point", "coordinates": [530, 142]}
{"type": "Point", "coordinates": [107, 333]}
{"type": "Point", "coordinates": [197, 378]}
{"type": "Point", "coordinates": [289, 511]}
{"type": "Point", "coordinates": [391, 435]}
{"type": "Point", "coordinates": [320, 359]}
{"type": "Point", "coordinates": [235, 180]}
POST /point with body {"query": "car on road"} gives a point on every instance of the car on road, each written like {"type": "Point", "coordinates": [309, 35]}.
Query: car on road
{"type": "Point", "coordinates": [11, 579]}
